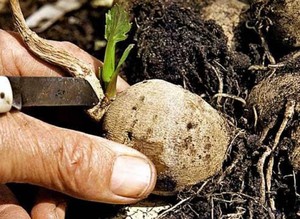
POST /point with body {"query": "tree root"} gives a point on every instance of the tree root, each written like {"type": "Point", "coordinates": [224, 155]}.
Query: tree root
{"type": "Point", "coordinates": [59, 57]}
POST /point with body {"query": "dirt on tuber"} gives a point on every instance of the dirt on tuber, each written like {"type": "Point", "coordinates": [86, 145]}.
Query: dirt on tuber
{"type": "Point", "coordinates": [182, 134]}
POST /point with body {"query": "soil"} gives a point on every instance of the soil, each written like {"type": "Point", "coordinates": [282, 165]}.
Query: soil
{"type": "Point", "coordinates": [173, 43]}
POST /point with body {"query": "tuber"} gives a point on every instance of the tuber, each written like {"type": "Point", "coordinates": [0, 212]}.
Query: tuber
{"type": "Point", "coordinates": [271, 98]}
{"type": "Point", "coordinates": [270, 95]}
{"type": "Point", "coordinates": [283, 19]}
{"type": "Point", "coordinates": [286, 21]}
{"type": "Point", "coordinates": [181, 133]}
{"type": "Point", "coordinates": [227, 14]}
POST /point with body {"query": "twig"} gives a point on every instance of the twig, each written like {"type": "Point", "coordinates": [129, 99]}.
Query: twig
{"type": "Point", "coordinates": [58, 56]}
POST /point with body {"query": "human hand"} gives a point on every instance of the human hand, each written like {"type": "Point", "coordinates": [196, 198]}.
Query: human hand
{"type": "Point", "coordinates": [77, 164]}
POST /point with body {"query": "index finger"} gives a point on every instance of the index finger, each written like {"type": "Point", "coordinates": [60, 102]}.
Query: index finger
{"type": "Point", "coordinates": [16, 60]}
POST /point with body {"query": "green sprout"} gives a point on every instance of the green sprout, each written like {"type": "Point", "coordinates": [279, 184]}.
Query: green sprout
{"type": "Point", "coordinates": [116, 29]}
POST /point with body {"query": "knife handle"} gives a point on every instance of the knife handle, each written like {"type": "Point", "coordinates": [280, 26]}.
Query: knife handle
{"type": "Point", "coordinates": [6, 95]}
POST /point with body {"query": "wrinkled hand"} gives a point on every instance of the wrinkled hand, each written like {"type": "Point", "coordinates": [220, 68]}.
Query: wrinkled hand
{"type": "Point", "coordinates": [67, 161]}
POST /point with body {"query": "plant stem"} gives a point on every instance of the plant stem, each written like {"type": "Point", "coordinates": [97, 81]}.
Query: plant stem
{"type": "Point", "coordinates": [109, 63]}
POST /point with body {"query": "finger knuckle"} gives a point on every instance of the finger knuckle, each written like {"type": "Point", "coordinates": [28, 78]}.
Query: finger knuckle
{"type": "Point", "coordinates": [75, 162]}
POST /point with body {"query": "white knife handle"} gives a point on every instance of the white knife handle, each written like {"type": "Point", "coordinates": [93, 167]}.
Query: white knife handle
{"type": "Point", "coordinates": [6, 95]}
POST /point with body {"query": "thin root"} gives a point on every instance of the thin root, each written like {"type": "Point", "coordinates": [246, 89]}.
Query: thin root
{"type": "Point", "coordinates": [269, 182]}
{"type": "Point", "coordinates": [289, 112]}
{"type": "Point", "coordinates": [255, 117]}
{"type": "Point", "coordinates": [295, 184]}
{"type": "Point", "coordinates": [234, 162]}
{"type": "Point", "coordinates": [183, 201]}
{"type": "Point", "coordinates": [260, 169]}
{"type": "Point", "coordinates": [221, 85]}
{"type": "Point", "coordinates": [231, 96]}
{"type": "Point", "coordinates": [266, 181]}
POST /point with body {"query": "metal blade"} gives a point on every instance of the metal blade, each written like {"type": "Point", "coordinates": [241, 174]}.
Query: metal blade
{"type": "Point", "coordinates": [52, 91]}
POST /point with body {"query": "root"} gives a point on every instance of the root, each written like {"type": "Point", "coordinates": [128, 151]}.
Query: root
{"type": "Point", "coordinates": [266, 48]}
{"type": "Point", "coordinates": [221, 85]}
{"type": "Point", "coordinates": [264, 134]}
{"type": "Point", "coordinates": [235, 197]}
{"type": "Point", "coordinates": [234, 162]}
{"type": "Point", "coordinates": [269, 182]}
{"type": "Point", "coordinates": [183, 201]}
{"type": "Point", "coordinates": [228, 170]}
{"type": "Point", "coordinates": [272, 68]}
{"type": "Point", "coordinates": [289, 112]}
{"type": "Point", "coordinates": [263, 22]}
{"type": "Point", "coordinates": [295, 185]}
{"type": "Point", "coordinates": [255, 117]}
{"type": "Point", "coordinates": [231, 96]}
{"type": "Point", "coordinates": [260, 169]}
{"type": "Point", "coordinates": [57, 56]}
{"type": "Point", "coordinates": [266, 130]}
{"type": "Point", "coordinates": [266, 180]}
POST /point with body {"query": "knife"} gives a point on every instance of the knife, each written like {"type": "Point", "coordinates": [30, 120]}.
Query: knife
{"type": "Point", "coordinates": [21, 92]}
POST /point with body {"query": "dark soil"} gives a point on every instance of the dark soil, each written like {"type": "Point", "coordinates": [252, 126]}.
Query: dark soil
{"type": "Point", "coordinates": [192, 52]}
{"type": "Point", "coordinates": [175, 44]}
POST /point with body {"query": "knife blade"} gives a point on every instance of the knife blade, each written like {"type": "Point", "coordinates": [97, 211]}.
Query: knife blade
{"type": "Point", "coordinates": [20, 92]}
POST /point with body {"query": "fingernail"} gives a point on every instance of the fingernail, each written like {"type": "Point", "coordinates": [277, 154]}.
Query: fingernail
{"type": "Point", "coordinates": [131, 177]}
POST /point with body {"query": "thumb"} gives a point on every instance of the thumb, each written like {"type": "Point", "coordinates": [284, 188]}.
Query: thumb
{"type": "Point", "coordinates": [77, 164]}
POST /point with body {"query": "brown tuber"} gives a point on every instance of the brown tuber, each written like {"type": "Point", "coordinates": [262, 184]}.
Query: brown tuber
{"type": "Point", "coordinates": [270, 98]}
{"type": "Point", "coordinates": [227, 14]}
{"type": "Point", "coordinates": [286, 17]}
{"type": "Point", "coordinates": [271, 94]}
{"type": "Point", "coordinates": [181, 133]}
{"type": "Point", "coordinates": [283, 17]}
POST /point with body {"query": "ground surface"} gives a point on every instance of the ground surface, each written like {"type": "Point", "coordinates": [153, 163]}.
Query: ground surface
{"type": "Point", "coordinates": [193, 53]}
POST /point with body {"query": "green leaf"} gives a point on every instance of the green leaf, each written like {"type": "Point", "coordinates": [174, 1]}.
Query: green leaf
{"type": "Point", "coordinates": [117, 24]}
{"type": "Point", "coordinates": [116, 29]}
{"type": "Point", "coordinates": [124, 56]}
